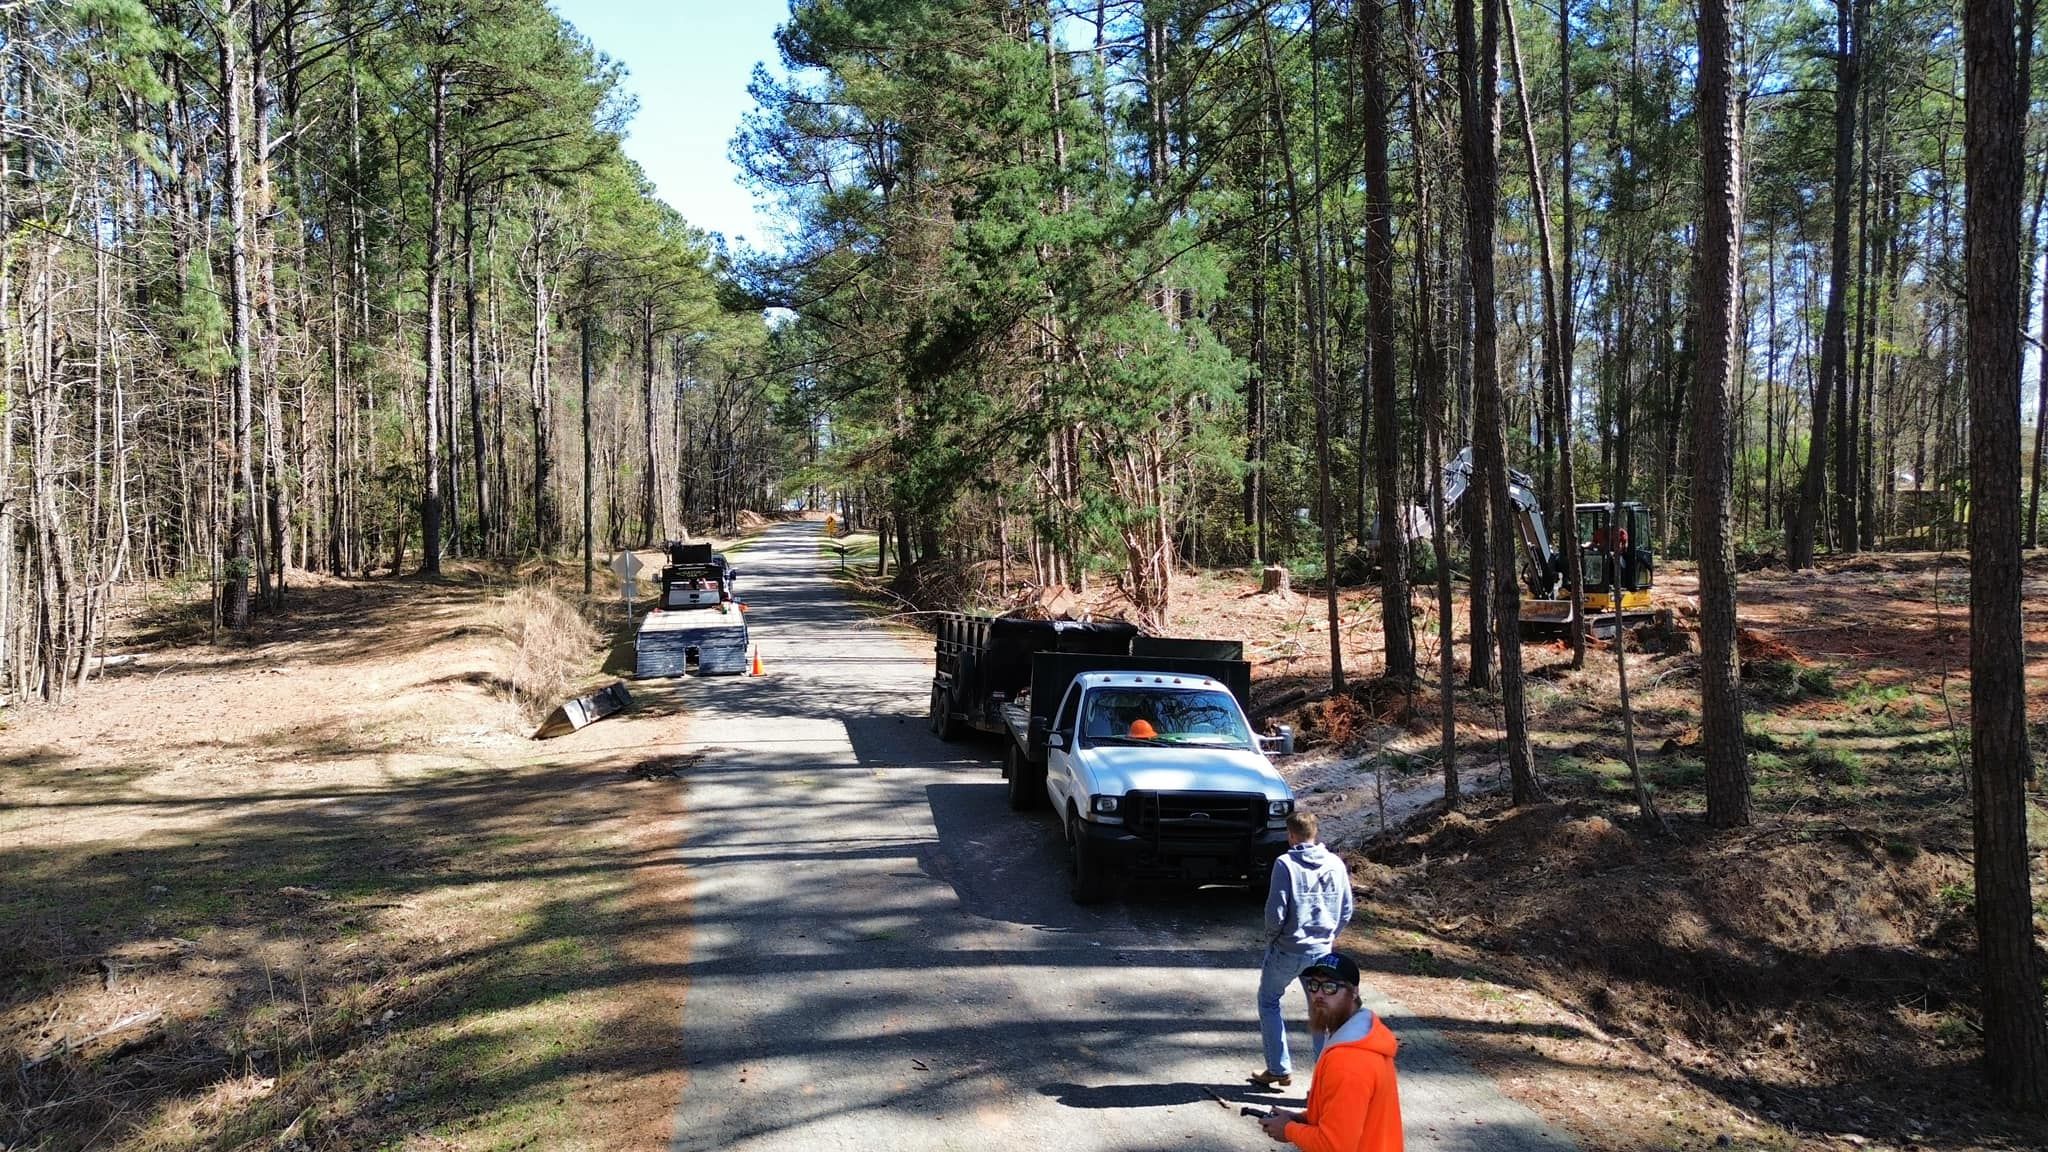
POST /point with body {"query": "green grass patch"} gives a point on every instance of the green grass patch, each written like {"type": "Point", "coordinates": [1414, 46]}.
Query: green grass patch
{"type": "Point", "coordinates": [1606, 776]}
{"type": "Point", "coordinates": [1758, 736]}
{"type": "Point", "coordinates": [1676, 772]}
{"type": "Point", "coordinates": [1833, 764]}
{"type": "Point", "coordinates": [1817, 681]}
{"type": "Point", "coordinates": [399, 969]}
{"type": "Point", "coordinates": [858, 548]}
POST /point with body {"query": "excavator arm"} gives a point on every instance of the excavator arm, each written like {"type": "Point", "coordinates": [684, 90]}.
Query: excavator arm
{"type": "Point", "coordinates": [1543, 572]}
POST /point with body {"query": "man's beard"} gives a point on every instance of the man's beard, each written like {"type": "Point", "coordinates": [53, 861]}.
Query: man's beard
{"type": "Point", "coordinates": [1326, 1017]}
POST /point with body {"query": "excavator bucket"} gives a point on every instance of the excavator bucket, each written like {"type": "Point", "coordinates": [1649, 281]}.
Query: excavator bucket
{"type": "Point", "coordinates": [1546, 613]}
{"type": "Point", "coordinates": [585, 710]}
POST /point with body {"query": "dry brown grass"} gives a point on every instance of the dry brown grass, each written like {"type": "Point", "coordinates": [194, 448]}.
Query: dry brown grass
{"type": "Point", "coordinates": [552, 643]}
{"type": "Point", "coordinates": [316, 890]}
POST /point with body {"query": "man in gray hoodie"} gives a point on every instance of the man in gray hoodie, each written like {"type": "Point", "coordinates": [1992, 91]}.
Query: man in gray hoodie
{"type": "Point", "coordinates": [1307, 904]}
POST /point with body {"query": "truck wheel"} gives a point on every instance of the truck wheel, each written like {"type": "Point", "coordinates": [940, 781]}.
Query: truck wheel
{"type": "Point", "coordinates": [1084, 866]}
{"type": "Point", "coordinates": [1027, 784]}
{"type": "Point", "coordinates": [1009, 760]}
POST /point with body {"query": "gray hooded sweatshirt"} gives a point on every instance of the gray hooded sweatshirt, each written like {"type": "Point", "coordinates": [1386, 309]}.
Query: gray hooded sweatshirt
{"type": "Point", "coordinates": [1309, 901]}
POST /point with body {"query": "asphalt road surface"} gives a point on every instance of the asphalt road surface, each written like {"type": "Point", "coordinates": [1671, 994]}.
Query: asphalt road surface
{"type": "Point", "coordinates": [883, 955]}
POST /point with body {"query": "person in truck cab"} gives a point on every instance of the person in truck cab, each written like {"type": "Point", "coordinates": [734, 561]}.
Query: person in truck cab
{"type": "Point", "coordinates": [1355, 1103]}
{"type": "Point", "coordinates": [1308, 902]}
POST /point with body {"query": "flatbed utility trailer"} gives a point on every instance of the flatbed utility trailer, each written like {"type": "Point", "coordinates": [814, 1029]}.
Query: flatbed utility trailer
{"type": "Point", "coordinates": [713, 641]}
{"type": "Point", "coordinates": [699, 624]}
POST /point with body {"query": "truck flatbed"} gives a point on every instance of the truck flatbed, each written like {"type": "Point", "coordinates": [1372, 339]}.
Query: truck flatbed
{"type": "Point", "coordinates": [714, 639]}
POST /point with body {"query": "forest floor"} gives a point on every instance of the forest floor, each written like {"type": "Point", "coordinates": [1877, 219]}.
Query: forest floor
{"type": "Point", "coordinates": [317, 887]}
{"type": "Point", "coordinates": [1806, 983]}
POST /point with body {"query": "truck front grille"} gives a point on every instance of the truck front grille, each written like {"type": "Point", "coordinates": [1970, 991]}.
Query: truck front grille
{"type": "Point", "coordinates": [1185, 816]}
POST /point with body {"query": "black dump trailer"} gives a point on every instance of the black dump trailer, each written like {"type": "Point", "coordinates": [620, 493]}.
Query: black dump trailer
{"type": "Point", "coordinates": [984, 662]}
{"type": "Point", "coordinates": [1003, 675]}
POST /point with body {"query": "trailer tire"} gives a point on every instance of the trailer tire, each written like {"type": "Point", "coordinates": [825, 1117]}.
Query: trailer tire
{"type": "Point", "coordinates": [1085, 878]}
{"type": "Point", "coordinates": [1009, 759]}
{"type": "Point", "coordinates": [1027, 783]}
{"type": "Point", "coordinates": [942, 722]}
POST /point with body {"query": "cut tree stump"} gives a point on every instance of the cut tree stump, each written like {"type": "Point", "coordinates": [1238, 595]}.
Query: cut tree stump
{"type": "Point", "coordinates": [1275, 579]}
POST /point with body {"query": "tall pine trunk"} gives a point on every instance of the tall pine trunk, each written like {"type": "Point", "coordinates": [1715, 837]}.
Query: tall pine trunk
{"type": "Point", "coordinates": [430, 444]}
{"type": "Point", "coordinates": [1480, 119]}
{"type": "Point", "coordinates": [1379, 319]}
{"type": "Point", "coordinates": [479, 456]}
{"type": "Point", "coordinates": [2015, 1034]}
{"type": "Point", "coordinates": [1805, 521]}
{"type": "Point", "coordinates": [1717, 304]}
{"type": "Point", "coordinates": [241, 549]}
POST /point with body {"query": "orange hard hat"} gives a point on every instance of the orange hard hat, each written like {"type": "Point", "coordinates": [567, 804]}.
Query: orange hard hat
{"type": "Point", "coordinates": [1142, 730]}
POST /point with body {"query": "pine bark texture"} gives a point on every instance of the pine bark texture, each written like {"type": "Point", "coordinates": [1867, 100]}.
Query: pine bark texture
{"type": "Point", "coordinates": [2015, 1033]}
{"type": "Point", "coordinates": [1717, 303]}
{"type": "Point", "coordinates": [1480, 117]}
{"type": "Point", "coordinates": [1379, 260]}
{"type": "Point", "coordinates": [1804, 526]}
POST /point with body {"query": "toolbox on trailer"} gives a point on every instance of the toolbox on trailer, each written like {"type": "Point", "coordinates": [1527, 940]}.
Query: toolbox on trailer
{"type": "Point", "coordinates": [695, 577]}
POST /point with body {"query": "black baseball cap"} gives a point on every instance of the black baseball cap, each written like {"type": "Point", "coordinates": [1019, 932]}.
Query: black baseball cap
{"type": "Point", "coordinates": [1331, 966]}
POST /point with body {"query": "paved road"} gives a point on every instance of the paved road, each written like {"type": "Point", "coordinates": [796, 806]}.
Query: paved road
{"type": "Point", "coordinates": [883, 954]}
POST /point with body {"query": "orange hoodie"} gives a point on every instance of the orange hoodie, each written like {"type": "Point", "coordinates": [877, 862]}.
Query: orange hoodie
{"type": "Point", "coordinates": [1354, 1104]}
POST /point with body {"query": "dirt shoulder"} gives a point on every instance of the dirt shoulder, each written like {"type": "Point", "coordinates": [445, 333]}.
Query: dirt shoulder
{"type": "Point", "coordinates": [318, 889]}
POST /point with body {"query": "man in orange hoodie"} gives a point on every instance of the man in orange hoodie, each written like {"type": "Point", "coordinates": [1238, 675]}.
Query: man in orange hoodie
{"type": "Point", "coordinates": [1354, 1104]}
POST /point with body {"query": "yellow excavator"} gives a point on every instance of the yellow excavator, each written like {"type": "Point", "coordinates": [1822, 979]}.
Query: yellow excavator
{"type": "Point", "coordinates": [1614, 554]}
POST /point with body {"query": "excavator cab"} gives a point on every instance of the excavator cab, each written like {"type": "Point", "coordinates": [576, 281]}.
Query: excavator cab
{"type": "Point", "coordinates": [1616, 556]}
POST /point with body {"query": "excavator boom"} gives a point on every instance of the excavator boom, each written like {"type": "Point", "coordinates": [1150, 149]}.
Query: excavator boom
{"type": "Point", "coordinates": [1543, 575]}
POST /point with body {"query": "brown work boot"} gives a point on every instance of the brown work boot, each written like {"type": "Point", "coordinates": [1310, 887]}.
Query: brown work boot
{"type": "Point", "coordinates": [1270, 1080]}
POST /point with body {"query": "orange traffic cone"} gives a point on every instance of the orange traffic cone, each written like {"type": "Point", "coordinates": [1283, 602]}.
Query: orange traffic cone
{"type": "Point", "coordinates": [757, 663]}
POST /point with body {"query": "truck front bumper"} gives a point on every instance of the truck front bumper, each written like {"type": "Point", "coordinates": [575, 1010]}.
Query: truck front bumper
{"type": "Point", "coordinates": [1204, 860]}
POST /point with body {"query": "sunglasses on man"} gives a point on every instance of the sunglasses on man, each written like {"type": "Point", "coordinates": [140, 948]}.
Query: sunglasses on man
{"type": "Point", "coordinates": [1314, 987]}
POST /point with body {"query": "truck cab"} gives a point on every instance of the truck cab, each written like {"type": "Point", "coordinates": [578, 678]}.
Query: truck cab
{"type": "Point", "coordinates": [1157, 775]}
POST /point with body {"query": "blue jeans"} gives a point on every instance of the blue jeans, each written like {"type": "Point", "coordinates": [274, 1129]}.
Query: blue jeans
{"type": "Point", "coordinates": [1276, 974]}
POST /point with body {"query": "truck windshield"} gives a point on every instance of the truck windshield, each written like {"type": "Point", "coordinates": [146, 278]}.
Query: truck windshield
{"type": "Point", "coordinates": [1151, 716]}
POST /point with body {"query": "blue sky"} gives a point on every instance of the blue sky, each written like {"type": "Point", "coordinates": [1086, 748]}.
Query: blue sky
{"type": "Point", "coordinates": [688, 62]}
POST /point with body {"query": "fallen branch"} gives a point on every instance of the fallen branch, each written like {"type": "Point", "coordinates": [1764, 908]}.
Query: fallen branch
{"type": "Point", "coordinates": [133, 1020]}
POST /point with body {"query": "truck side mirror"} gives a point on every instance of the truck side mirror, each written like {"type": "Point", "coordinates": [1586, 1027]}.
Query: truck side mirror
{"type": "Point", "coordinates": [1056, 740]}
{"type": "Point", "coordinates": [1281, 742]}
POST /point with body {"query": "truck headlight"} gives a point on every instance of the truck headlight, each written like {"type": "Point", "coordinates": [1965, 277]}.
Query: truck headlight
{"type": "Point", "coordinates": [1280, 808]}
{"type": "Point", "coordinates": [1106, 805]}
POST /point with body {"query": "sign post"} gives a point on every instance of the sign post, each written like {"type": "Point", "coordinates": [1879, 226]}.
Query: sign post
{"type": "Point", "coordinates": [628, 566]}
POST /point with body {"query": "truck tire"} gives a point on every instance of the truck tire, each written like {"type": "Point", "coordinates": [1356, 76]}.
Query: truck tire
{"type": "Point", "coordinates": [1027, 783]}
{"type": "Point", "coordinates": [1085, 878]}
{"type": "Point", "coordinates": [1009, 759]}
